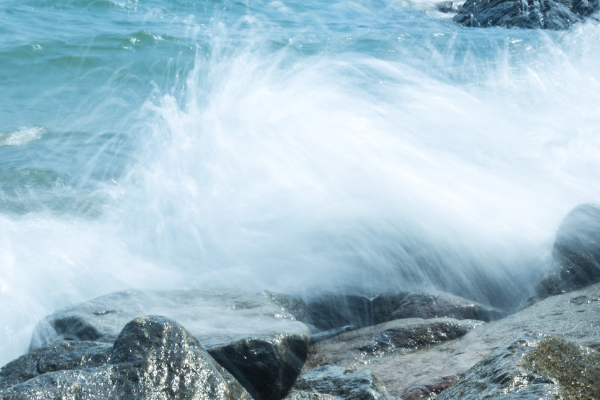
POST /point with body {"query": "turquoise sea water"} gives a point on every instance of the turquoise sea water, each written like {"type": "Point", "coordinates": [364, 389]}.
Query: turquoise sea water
{"type": "Point", "coordinates": [292, 145]}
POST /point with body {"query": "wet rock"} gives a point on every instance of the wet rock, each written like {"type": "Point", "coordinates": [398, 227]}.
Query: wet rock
{"type": "Point", "coordinates": [324, 335]}
{"type": "Point", "coordinates": [261, 345]}
{"type": "Point", "coordinates": [55, 357]}
{"type": "Point", "coordinates": [449, 6]}
{"type": "Point", "coordinates": [436, 305]}
{"type": "Point", "coordinates": [360, 346]}
{"type": "Point", "coordinates": [333, 311]}
{"type": "Point", "coordinates": [531, 14]}
{"type": "Point", "coordinates": [530, 368]}
{"type": "Point", "coordinates": [576, 254]}
{"type": "Point", "coordinates": [300, 395]}
{"type": "Point", "coordinates": [293, 305]}
{"type": "Point", "coordinates": [338, 381]}
{"type": "Point", "coordinates": [574, 316]}
{"type": "Point", "coordinates": [153, 358]}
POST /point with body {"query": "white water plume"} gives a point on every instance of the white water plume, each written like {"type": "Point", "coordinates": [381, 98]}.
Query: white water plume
{"type": "Point", "coordinates": [274, 169]}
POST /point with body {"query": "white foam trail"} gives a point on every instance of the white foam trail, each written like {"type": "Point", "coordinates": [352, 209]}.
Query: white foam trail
{"type": "Point", "coordinates": [21, 136]}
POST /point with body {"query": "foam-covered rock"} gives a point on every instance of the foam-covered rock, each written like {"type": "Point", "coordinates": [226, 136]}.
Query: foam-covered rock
{"type": "Point", "coordinates": [576, 254]}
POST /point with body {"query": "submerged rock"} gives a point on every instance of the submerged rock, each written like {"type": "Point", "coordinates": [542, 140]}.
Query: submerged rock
{"type": "Point", "coordinates": [153, 358]}
{"type": "Point", "coordinates": [405, 335]}
{"type": "Point", "coordinates": [530, 368]}
{"type": "Point", "coordinates": [576, 254]}
{"type": "Point", "coordinates": [340, 382]}
{"type": "Point", "coordinates": [411, 375]}
{"type": "Point", "coordinates": [437, 305]}
{"type": "Point", "coordinates": [531, 14]}
{"type": "Point", "coordinates": [55, 357]}
{"type": "Point", "coordinates": [258, 343]}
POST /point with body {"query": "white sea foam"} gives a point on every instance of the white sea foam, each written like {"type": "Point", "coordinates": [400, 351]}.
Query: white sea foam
{"type": "Point", "coordinates": [21, 136]}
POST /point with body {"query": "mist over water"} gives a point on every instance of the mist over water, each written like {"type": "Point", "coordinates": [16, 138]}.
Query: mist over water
{"type": "Point", "coordinates": [294, 146]}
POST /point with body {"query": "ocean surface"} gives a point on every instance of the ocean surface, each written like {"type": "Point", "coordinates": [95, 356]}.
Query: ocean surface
{"type": "Point", "coordinates": [298, 146]}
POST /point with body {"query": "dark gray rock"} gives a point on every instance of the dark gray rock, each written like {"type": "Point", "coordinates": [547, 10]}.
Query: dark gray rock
{"type": "Point", "coordinates": [310, 396]}
{"type": "Point", "coordinates": [55, 357]}
{"type": "Point", "coordinates": [331, 311]}
{"type": "Point", "coordinates": [359, 347]}
{"type": "Point", "coordinates": [340, 382]}
{"type": "Point", "coordinates": [437, 305]}
{"type": "Point", "coordinates": [324, 335]}
{"type": "Point", "coordinates": [531, 368]}
{"type": "Point", "coordinates": [531, 14]}
{"type": "Point", "coordinates": [258, 343]}
{"type": "Point", "coordinates": [153, 359]}
{"type": "Point", "coordinates": [449, 6]}
{"type": "Point", "coordinates": [576, 254]}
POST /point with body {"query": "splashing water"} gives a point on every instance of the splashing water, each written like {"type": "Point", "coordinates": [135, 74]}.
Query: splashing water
{"type": "Point", "coordinates": [295, 146]}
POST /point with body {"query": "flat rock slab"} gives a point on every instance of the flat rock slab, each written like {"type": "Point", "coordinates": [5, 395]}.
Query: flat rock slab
{"type": "Point", "coordinates": [404, 335]}
{"type": "Point", "coordinates": [574, 316]}
{"type": "Point", "coordinates": [153, 358]}
{"type": "Point", "coordinates": [256, 341]}
{"type": "Point", "coordinates": [532, 369]}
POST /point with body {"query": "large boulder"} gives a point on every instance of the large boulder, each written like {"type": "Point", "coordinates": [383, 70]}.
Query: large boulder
{"type": "Point", "coordinates": [545, 14]}
{"type": "Point", "coordinates": [404, 335]}
{"type": "Point", "coordinates": [418, 374]}
{"type": "Point", "coordinates": [576, 254]}
{"type": "Point", "coordinates": [153, 358]}
{"type": "Point", "coordinates": [342, 383]}
{"type": "Point", "coordinates": [258, 343]}
{"type": "Point", "coordinates": [531, 368]}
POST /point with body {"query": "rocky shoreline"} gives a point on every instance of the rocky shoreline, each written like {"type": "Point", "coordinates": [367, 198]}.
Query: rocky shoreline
{"type": "Point", "coordinates": [228, 344]}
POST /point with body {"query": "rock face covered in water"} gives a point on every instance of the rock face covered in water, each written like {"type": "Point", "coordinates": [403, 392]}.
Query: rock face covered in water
{"type": "Point", "coordinates": [545, 14]}
{"type": "Point", "coordinates": [153, 358]}
{"type": "Point", "coordinates": [532, 369]}
{"type": "Point", "coordinates": [404, 335]}
{"type": "Point", "coordinates": [261, 345]}
{"type": "Point", "coordinates": [337, 381]}
{"type": "Point", "coordinates": [576, 254]}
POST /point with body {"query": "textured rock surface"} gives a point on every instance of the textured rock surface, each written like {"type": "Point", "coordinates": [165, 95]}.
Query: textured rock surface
{"type": "Point", "coordinates": [574, 316]}
{"type": "Point", "coordinates": [261, 345]}
{"type": "Point", "coordinates": [437, 305]}
{"type": "Point", "coordinates": [331, 311]}
{"type": "Point", "coordinates": [55, 357]}
{"type": "Point", "coordinates": [531, 368]}
{"type": "Point", "coordinates": [545, 14]}
{"type": "Point", "coordinates": [576, 254]}
{"type": "Point", "coordinates": [360, 346]}
{"type": "Point", "coordinates": [153, 358]}
{"type": "Point", "coordinates": [301, 395]}
{"type": "Point", "coordinates": [337, 381]}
